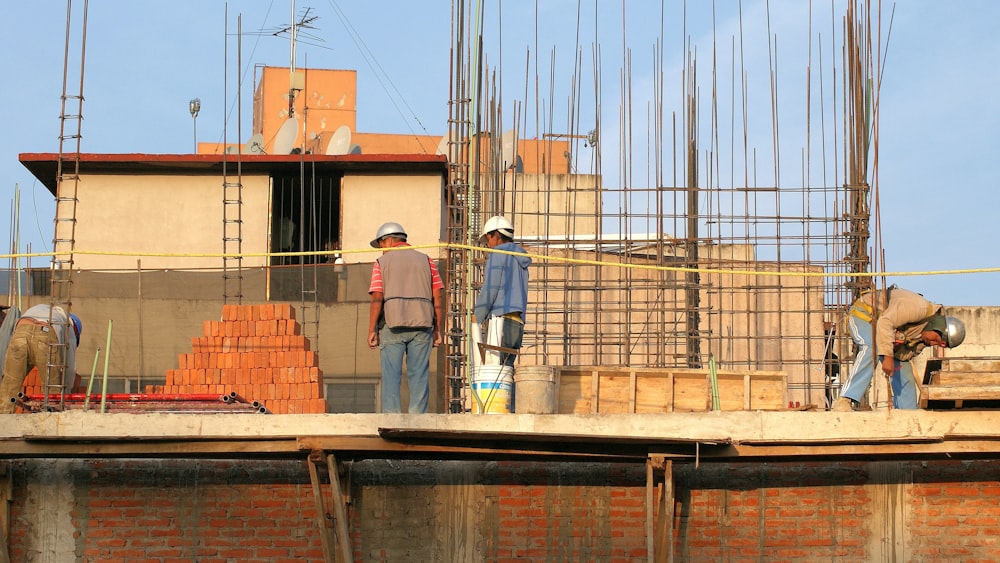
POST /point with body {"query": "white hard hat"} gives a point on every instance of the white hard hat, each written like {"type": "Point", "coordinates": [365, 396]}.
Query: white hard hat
{"type": "Point", "coordinates": [498, 223]}
{"type": "Point", "coordinates": [950, 328]}
{"type": "Point", "coordinates": [955, 331]}
{"type": "Point", "coordinates": [387, 229]}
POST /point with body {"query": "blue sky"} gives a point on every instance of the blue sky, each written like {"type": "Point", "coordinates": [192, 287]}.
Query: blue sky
{"type": "Point", "coordinates": [939, 128]}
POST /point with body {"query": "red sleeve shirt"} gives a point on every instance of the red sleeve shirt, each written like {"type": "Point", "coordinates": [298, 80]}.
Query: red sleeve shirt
{"type": "Point", "coordinates": [376, 284]}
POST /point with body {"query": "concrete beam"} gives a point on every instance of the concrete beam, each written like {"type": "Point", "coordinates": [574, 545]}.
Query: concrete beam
{"type": "Point", "coordinates": [253, 434]}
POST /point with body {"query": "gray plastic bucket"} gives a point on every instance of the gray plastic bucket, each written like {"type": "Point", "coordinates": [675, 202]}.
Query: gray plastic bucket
{"type": "Point", "coordinates": [535, 390]}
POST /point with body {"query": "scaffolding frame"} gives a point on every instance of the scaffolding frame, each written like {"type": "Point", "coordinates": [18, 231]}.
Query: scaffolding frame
{"type": "Point", "coordinates": [714, 255]}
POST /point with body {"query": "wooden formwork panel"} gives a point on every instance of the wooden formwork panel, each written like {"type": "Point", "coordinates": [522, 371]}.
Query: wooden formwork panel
{"type": "Point", "coordinates": [961, 389]}
{"type": "Point", "coordinates": [621, 390]}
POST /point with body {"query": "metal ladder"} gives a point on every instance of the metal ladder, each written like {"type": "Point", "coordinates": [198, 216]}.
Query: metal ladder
{"type": "Point", "coordinates": [232, 212]}
{"type": "Point", "coordinates": [67, 188]}
{"type": "Point", "coordinates": [462, 205]}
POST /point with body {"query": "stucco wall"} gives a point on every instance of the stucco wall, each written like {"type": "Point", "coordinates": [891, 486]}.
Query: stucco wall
{"type": "Point", "coordinates": [141, 215]}
{"type": "Point", "coordinates": [414, 201]}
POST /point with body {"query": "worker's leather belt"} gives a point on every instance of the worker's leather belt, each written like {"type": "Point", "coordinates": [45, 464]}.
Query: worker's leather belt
{"type": "Point", "coordinates": [36, 322]}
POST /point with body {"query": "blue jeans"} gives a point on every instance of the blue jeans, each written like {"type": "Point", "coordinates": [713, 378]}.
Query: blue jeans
{"type": "Point", "coordinates": [416, 344]}
{"type": "Point", "coordinates": [904, 388]}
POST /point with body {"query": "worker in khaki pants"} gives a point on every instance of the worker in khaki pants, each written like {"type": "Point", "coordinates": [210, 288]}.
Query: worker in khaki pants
{"type": "Point", "coordinates": [37, 333]}
{"type": "Point", "coordinates": [906, 323]}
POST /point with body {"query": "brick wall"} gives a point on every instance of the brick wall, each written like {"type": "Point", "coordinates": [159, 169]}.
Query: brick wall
{"type": "Point", "coordinates": [217, 511]}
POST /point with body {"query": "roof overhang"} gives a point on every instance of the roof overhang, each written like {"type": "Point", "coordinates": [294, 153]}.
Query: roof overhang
{"type": "Point", "coordinates": [44, 165]}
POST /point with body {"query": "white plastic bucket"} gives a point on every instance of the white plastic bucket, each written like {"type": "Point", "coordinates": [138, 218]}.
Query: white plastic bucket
{"type": "Point", "coordinates": [535, 387]}
{"type": "Point", "coordinates": [493, 386]}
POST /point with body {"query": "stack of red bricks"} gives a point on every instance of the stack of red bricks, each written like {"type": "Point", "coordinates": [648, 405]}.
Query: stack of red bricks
{"type": "Point", "coordinates": [33, 384]}
{"type": "Point", "coordinates": [257, 352]}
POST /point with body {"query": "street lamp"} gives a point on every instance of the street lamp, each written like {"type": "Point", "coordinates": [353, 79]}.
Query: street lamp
{"type": "Point", "coordinates": [194, 106]}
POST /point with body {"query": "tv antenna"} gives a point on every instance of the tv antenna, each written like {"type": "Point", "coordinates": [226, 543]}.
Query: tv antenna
{"type": "Point", "coordinates": [305, 21]}
{"type": "Point", "coordinates": [255, 145]}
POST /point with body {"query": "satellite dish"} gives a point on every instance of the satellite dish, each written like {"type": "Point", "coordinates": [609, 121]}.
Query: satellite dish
{"type": "Point", "coordinates": [284, 140]}
{"type": "Point", "coordinates": [443, 146]}
{"type": "Point", "coordinates": [355, 149]}
{"type": "Point", "coordinates": [519, 165]}
{"type": "Point", "coordinates": [255, 145]}
{"type": "Point", "coordinates": [340, 143]}
{"type": "Point", "coordinates": [508, 148]}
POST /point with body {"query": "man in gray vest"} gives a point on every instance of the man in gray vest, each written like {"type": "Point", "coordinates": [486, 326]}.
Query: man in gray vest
{"type": "Point", "coordinates": [405, 318]}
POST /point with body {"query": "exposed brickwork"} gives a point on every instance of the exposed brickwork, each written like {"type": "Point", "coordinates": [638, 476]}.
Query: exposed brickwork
{"type": "Point", "coordinates": [256, 351]}
{"type": "Point", "coordinates": [173, 511]}
{"type": "Point", "coordinates": [786, 512]}
{"type": "Point", "coordinates": [217, 511]}
{"type": "Point", "coordinates": [955, 511]}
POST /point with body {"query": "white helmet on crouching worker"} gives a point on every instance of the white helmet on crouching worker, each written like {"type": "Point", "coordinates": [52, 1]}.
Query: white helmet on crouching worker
{"type": "Point", "coordinates": [954, 332]}
{"type": "Point", "coordinates": [500, 224]}
{"type": "Point", "coordinates": [951, 329]}
{"type": "Point", "coordinates": [387, 229]}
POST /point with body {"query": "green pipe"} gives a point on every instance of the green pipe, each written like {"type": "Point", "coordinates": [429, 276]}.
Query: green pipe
{"type": "Point", "coordinates": [716, 406]}
{"type": "Point", "coordinates": [90, 386]}
{"type": "Point", "coordinates": [104, 386]}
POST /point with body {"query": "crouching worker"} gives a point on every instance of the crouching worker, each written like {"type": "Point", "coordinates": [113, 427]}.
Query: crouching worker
{"type": "Point", "coordinates": [906, 324]}
{"type": "Point", "coordinates": [34, 339]}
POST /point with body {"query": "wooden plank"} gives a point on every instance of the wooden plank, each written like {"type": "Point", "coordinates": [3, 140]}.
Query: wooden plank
{"type": "Point", "coordinates": [984, 364]}
{"type": "Point", "coordinates": [653, 392]}
{"type": "Point", "coordinates": [575, 392]}
{"type": "Point", "coordinates": [962, 392]}
{"type": "Point", "coordinates": [966, 378]}
{"type": "Point", "coordinates": [595, 392]}
{"type": "Point", "coordinates": [467, 445]}
{"type": "Point", "coordinates": [768, 392]}
{"type": "Point", "coordinates": [633, 391]}
{"type": "Point", "coordinates": [668, 392]}
{"type": "Point", "coordinates": [747, 392]}
{"type": "Point", "coordinates": [624, 390]}
{"type": "Point", "coordinates": [978, 449]}
{"type": "Point", "coordinates": [615, 393]}
{"type": "Point", "coordinates": [118, 447]}
{"type": "Point", "coordinates": [692, 392]}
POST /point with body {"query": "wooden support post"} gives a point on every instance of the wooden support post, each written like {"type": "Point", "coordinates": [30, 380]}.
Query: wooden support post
{"type": "Point", "coordinates": [659, 511]}
{"type": "Point", "coordinates": [315, 457]}
{"type": "Point", "coordinates": [650, 512]}
{"type": "Point", "coordinates": [339, 510]}
{"type": "Point", "coordinates": [666, 522]}
{"type": "Point", "coordinates": [6, 496]}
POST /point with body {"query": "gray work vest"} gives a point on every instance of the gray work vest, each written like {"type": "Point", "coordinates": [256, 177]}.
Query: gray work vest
{"type": "Point", "coordinates": [406, 288]}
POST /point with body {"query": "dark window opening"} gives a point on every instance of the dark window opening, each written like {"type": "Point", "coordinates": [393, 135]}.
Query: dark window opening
{"type": "Point", "coordinates": [305, 217]}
